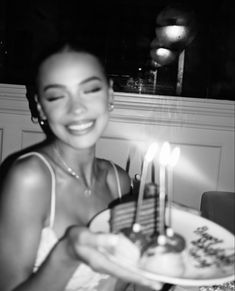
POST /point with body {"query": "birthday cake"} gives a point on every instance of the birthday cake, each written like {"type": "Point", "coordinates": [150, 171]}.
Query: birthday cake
{"type": "Point", "coordinates": [123, 215]}
{"type": "Point", "coordinates": [144, 220]}
{"type": "Point", "coordinates": [165, 255]}
{"type": "Point", "coordinates": [160, 253]}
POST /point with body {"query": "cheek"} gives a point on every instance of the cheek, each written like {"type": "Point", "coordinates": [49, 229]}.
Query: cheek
{"type": "Point", "coordinates": [53, 109]}
{"type": "Point", "coordinates": [99, 106]}
{"type": "Point", "coordinates": [53, 114]}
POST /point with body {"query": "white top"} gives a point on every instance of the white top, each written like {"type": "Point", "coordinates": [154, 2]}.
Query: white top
{"type": "Point", "coordinates": [84, 278]}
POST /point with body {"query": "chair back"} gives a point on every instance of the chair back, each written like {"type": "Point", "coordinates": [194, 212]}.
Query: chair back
{"type": "Point", "coordinates": [219, 207]}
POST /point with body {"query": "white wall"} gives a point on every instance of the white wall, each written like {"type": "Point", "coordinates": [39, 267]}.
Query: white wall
{"type": "Point", "coordinates": [203, 128]}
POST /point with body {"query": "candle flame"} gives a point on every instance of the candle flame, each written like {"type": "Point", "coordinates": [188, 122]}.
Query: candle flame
{"type": "Point", "coordinates": [165, 154]}
{"type": "Point", "coordinates": [174, 157]}
{"type": "Point", "coordinates": [151, 152]}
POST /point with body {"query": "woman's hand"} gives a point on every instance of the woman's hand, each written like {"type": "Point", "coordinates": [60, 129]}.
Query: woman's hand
{"type": "Point", "coordinates": [95, 250]}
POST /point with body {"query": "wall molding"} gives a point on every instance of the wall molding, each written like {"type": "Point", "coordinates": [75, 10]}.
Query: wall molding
{"type": "Point", "coordinates": [13, 99]}
{"type": "Point", "coordinates": [175, 111]}
{"type": "Point", "coordinates": [162, 110]}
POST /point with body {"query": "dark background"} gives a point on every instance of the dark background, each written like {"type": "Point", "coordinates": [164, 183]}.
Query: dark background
{"type": "Point", "coordinates": [121, 31]}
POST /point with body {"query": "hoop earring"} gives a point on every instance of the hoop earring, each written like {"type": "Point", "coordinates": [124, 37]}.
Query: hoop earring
{"type": "Point", "coordinates": [111, 107]}
{"type": "Point", "coordinates": [34, 119]}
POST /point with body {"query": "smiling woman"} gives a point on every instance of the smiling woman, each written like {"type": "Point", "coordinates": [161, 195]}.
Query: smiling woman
{"type": "Point", "coordinates": [67, 182]}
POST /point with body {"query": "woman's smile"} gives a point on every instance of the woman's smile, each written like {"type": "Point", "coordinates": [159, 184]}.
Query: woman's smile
{"type": "Point", "coordinates": [81, 127]}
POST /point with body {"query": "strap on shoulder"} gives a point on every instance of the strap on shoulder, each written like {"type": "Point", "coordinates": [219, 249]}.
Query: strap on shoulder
{"type": "Point", "coordinates": [117, 179]}
{"type": "Point", "coordinates": [53, 184]}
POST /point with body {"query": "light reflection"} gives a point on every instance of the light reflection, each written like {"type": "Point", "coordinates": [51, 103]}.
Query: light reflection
{"type": "Point", "coordinates": [151, 152]}
{"type": "Point", "coordinates": [188, 170]}
{"type": "Point", "coordinates": [172, 32]}
{"type": "Point", "coordinates": [162, 52]}
{"type": "Point", "coordinates": [175, 154]}
{"type": "Point", "coordinates": [165, 154]}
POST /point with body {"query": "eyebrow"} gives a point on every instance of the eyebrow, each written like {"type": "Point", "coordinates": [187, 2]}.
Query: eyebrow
{"type": "Point", "coordinates": [51, 86]}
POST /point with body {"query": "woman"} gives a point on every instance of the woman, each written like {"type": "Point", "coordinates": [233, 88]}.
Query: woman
{"type": "Point", "coordinates": [50, 194]}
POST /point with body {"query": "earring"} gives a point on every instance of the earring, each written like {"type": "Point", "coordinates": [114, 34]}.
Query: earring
{"type": "Point", "coordinates": [42, 121]}
{"type": "Point", "coordinates": [111, 107]}
{"type": "Point", "coordinates": [34, 119]}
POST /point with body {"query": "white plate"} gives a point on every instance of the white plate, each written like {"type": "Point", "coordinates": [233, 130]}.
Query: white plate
{"type": "Point", "coordinates": [193, 228]}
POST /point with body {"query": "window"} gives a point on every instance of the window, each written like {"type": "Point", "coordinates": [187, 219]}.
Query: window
{"type": "Point", "coordinates": [122, 32]}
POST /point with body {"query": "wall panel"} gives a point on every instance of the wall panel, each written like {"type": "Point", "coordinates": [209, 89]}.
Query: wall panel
{"type": "Point", "coordinates": [29, 138]}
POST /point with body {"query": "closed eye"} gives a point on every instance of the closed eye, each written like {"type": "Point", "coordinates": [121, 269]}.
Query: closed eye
{"type": "Point", "coordinates": [93, 90]}
{"type": "Point", "coordinates": [54, 98]}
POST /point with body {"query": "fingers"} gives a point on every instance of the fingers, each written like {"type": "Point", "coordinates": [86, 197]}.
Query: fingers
{"type": "Point", "coordinates": [95, 249]}
{"type": "Point", "coordinates": [120, 247]}
{"type": "Point", "coordinates": [116, 244]}
{"type": "Point", "coordinates": [106, 241]}
{"type": "Point", "coordinates": [101, 263]}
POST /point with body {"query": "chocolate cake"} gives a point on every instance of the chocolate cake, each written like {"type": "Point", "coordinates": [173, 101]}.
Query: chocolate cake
{"type": "Point", "coordinates": [160, 253]}
{"type": "Point", "coordinates": [123, 214]}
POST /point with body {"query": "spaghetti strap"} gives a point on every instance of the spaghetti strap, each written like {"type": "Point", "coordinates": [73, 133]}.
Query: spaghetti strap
{"type": "Point", "coordinates": [117, 179]}
{"type": "Point", "coordinates": [53, 184]}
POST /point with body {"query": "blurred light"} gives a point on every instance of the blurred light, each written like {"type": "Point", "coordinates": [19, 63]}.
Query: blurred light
{"type": "Point", "coordinates": [165, 153]}
{"type": "Point", "coordinates": [172, 32]}
{"type": "Point", "coordinates": [162, 52]}
{"type": "Point", "coordinates": [189, 171]}
{"type": "Point", "coordinates": [151, 152]}
{"type": "Point", "coordinates": [175, 154]}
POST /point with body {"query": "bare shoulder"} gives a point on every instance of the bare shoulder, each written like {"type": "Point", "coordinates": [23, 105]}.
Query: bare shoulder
{"type": "Point", "coordinates": [124, 178]}
{"type": "Point", "coordinates": [28, 171]}
{"type": "Point", "coordinates": [24, 200]}
{"type": "Point", "coordinates": [25, 182]}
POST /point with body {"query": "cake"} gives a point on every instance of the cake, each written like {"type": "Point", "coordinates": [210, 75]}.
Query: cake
{"type": "Point", "coordinates": [123, 217]}
{"type": "Point", "coordinates": [165, 256]}
{"type": "Point", "coordinates": [162, 254]}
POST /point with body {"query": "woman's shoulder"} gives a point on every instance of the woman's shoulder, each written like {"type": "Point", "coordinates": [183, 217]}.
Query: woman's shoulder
{"type": "Point", "coordinates": [31, 164]}
{"type": "Point", "coordinates": [28, 174]}
{"type": "Point", "coordinates": [21, 160]}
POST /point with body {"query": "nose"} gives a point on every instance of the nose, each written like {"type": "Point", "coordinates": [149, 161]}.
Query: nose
{"type": "Point", "coordinates": [76, 106]}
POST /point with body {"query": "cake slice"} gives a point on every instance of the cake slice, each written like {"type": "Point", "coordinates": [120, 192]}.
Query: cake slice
{"type": "Point", "coordinates": [123, 214]}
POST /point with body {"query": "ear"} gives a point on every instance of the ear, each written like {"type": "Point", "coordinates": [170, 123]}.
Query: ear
{"type": "Point", "coordinates": [41, 113]}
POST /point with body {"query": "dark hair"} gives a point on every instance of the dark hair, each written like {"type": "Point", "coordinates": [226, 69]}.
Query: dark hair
{"type": "Point", "coordinates": [63, 46]}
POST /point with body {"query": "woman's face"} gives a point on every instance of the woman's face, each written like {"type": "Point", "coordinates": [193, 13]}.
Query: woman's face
{"type": "Point", "coordinates": [74, 96]}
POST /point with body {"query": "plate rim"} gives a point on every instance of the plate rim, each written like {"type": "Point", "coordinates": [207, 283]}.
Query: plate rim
{"type": "Point", "coordinates": [163, 278]}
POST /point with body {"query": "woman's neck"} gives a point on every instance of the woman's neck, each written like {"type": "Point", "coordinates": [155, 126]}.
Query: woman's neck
{"type": "Point", "coordinates": [81, 162]}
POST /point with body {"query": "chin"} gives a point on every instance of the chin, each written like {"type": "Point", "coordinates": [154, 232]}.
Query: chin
{"type": "Point", "coordinates": [84, 142]}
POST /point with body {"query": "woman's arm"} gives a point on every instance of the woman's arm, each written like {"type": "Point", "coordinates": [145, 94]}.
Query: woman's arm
{"type": "Point", "coordinates": [24, 204]}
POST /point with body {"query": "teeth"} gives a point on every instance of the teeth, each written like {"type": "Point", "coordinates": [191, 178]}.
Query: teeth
{"type": "Point", "coordinates": [80, 126]}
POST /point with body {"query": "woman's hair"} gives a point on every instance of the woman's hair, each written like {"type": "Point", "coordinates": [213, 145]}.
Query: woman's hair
{"type": "Point", "coordinates": [63, 46]}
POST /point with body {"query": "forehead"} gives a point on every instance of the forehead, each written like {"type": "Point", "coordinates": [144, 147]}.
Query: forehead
{"type": "Point", "coordinates": [69, 66]}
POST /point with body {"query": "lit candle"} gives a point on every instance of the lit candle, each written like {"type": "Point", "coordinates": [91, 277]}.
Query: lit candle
{"type": "Point", "coordinates": [174, 157]}
{"type": "Point", "coordinates": [147, 159]}
{"type": "Point", "coordinates": [163, 160]}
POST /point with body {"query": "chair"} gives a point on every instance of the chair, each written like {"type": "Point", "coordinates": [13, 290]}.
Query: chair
{"type": "Point", "coordinates": [219, 207]}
